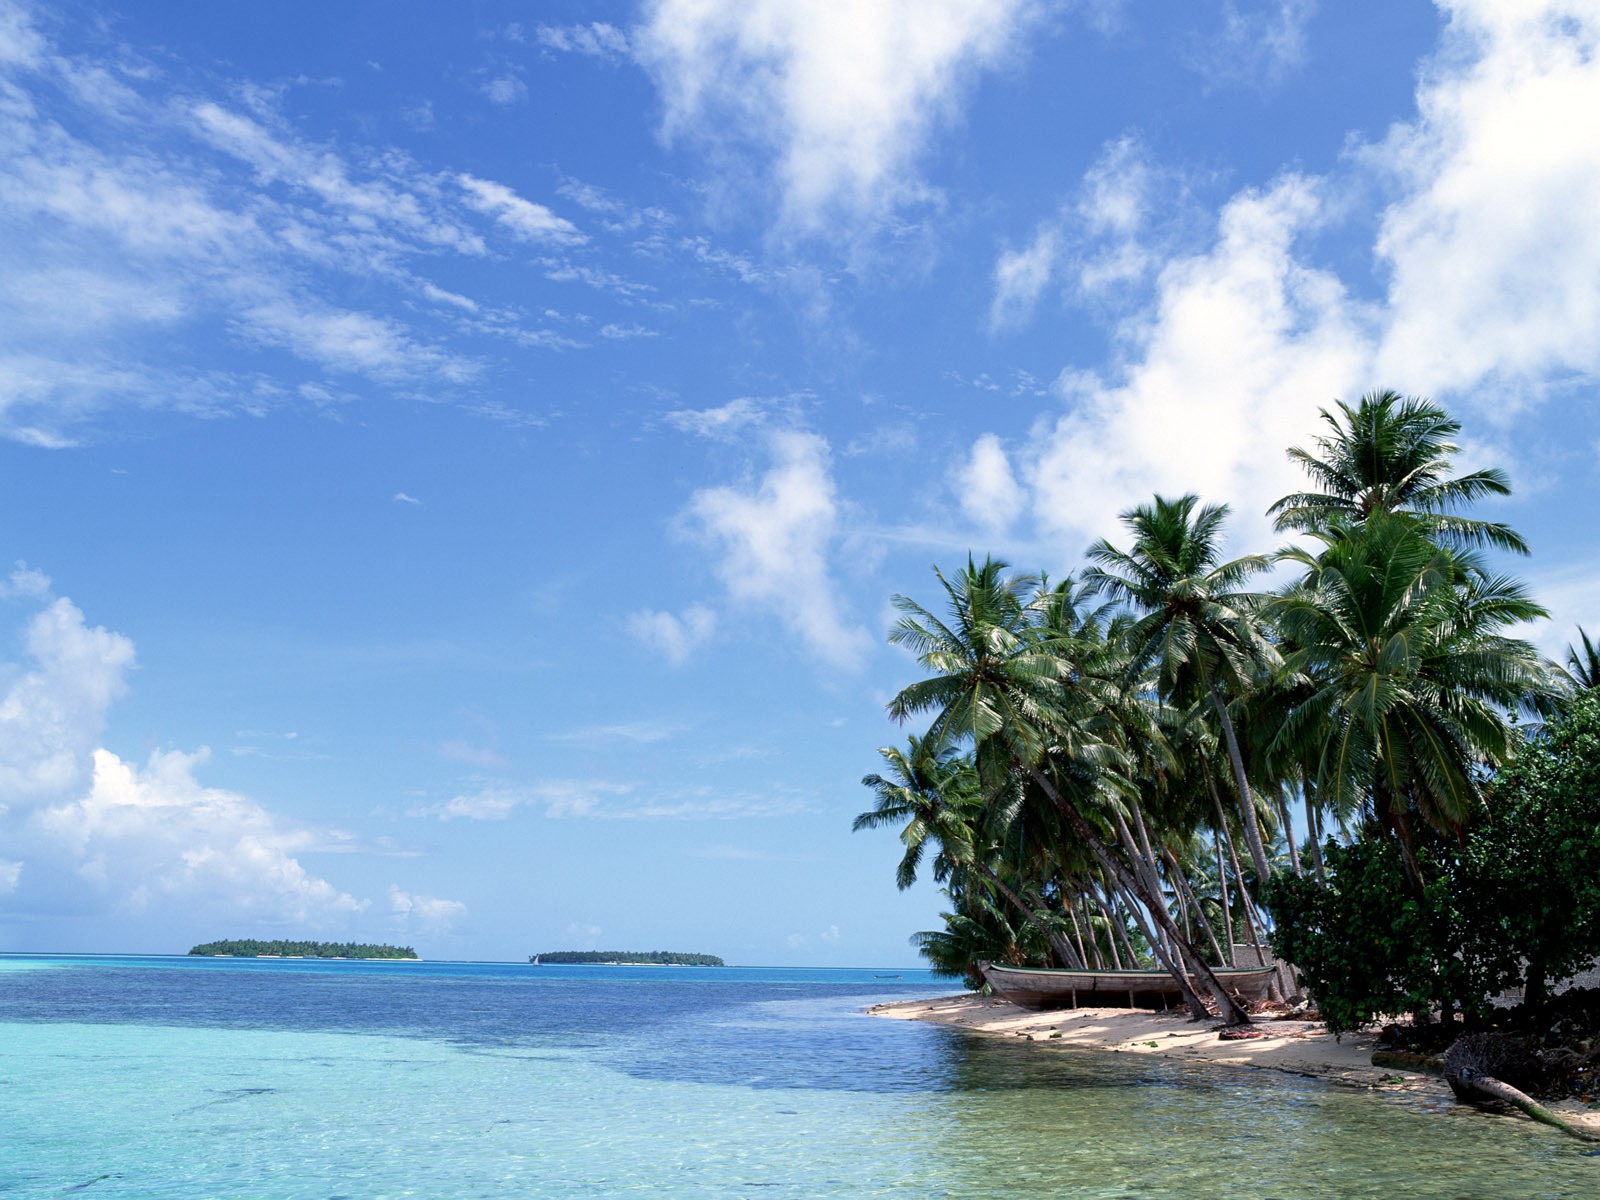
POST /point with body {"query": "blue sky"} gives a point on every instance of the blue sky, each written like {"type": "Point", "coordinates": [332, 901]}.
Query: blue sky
{"type": "Point", "coordinates": [456, 459]}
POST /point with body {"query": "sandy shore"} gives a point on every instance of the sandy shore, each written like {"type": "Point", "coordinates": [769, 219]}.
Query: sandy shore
{"type": "Point", "coordinates": [1295, 1046]}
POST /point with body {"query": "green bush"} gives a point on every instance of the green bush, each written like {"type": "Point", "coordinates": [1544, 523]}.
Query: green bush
{"type": "Point", "coordinates": [1517, 902]}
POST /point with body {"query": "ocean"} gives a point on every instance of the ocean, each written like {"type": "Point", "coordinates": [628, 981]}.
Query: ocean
{"type": "Point", "coordinates": [202, 1078]}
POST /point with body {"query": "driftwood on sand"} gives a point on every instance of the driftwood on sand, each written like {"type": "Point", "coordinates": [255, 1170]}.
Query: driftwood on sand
{"type": "Point", "coordinates": [1489, 1066]}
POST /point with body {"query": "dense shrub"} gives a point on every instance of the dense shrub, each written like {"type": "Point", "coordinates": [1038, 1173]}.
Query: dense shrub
{"type": "Point", "coordinates": [1517, 902]}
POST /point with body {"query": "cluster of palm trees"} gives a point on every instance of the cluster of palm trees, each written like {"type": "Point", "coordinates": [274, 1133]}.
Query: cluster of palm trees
{"type": "Point", "coordinates": [1099, 748]}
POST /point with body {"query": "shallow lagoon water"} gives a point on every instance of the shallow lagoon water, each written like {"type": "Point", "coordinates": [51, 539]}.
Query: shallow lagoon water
{"type": "Point", "coordinates": [193, 1078]}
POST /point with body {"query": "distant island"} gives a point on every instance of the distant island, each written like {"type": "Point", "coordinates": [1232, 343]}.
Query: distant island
{"type": "Point", "coordinates": [250, 948]}
{"type": "Point", "coordinates": [631, 958]}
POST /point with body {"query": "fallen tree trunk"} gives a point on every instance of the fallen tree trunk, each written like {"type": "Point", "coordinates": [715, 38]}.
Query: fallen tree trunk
{"type": "Point", "coordinates": [1473, 1066]}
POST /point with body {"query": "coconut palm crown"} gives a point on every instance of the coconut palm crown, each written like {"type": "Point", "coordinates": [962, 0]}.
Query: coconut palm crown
{"type": "Point", "coordinates": [1393, 453]}
{"type": "Point", "coordinates": [1410, 675]}
{"type": "Point", "coordinates": [1195, 621]}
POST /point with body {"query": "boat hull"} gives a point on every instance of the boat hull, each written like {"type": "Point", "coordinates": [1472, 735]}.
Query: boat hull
{"type": "Point", "coordinates": [1043, 988]}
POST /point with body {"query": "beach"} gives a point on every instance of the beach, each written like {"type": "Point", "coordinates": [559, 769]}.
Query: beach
{"type": "Point", "coordinates": [1289, 1045]}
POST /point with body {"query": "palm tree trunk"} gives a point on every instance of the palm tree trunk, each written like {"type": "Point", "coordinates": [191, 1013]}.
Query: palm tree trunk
{"type": "Point", "coordinates": [1164, 955]}
{"type": "Point", "coordinates": [1314, 832]}
{"type": "Point", "coordinates": [1245, 900]}
{"type": "Point", "coordinates": [1288, 834]}
{"type": "Point", "coordinates": [1232, 1013]}
{"type": "Point", "coordinates": [1247, 804]}
{"type": "Point", "coordinates": [1060, 945]}
{"type": "Point", "coordinates": [1116, 929]}
{"type": "Point", "coordinates": [1175, 871]}
{"type": "Point", "coordinates": [1077, 930]}
{"type": "Point", "coordinates": [1222, 887]}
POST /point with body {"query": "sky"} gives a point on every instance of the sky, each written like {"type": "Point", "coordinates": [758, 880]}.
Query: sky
{"type": "Point", "coordinates": [456, 460]}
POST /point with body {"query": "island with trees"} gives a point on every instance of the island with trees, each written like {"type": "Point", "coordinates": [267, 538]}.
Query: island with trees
{"type": "Point", "coordinates": [252, 948]}
{"type": "Point", "coordinates": [625, 958]}
{"type": "Point", "coordinates": [1361, 763]}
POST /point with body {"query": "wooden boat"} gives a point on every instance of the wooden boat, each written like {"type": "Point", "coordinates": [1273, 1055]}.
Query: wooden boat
{"type": "Point", "coordinates": [1048, 987]}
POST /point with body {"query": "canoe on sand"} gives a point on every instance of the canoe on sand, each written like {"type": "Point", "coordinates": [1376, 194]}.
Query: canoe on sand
{"type": "Point", "coordinates": [1044, 987]}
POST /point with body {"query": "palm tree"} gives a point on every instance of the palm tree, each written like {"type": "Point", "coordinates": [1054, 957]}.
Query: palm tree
{"type": "Point", "coordinates": [934, 791]}
{"type": "Point", "coordinates": [1584, 665]}
{"type": "Point", "coordinates": [1407, 675]}
{"type": "Point", "coordinates": [998, 685]}
{"type": "Point", "coordinates": [1195, 622]}
{"type": "Point", "coordinates": [1393, 453]}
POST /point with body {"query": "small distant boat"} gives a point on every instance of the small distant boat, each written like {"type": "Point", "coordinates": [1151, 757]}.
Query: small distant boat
{"type": "Point", "coordinates": [886, 977]}
{"type": "Point", "coordinates": [1050, 987]}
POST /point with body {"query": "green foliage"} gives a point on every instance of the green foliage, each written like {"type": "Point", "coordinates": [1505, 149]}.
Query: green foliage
{"type": "Point", "coordinates": [250, 947]}
{"type": "Point", "coordinates": [1530, 876]}
{"type": "Point", "coordinates": [1367, 944]}
{"type": "Point", "coordinates": [650, 958]}
{"type": "Point", "coordinates": [1517, 901]}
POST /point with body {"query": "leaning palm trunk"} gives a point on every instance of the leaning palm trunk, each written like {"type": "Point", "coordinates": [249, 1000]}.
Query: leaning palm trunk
{"type": "Point", "coordinates": [1060, 945]}
{"type": "Point", "coordinates": [1192, 962]}
{"type": "Point", "coordinates": [1247, 804]}
{"type": "Point", "coordinates": [1252, 928]}
{"type": "Point", "coordinates": [1176, 873]}
{"type": "Point", "coordinates": [1077, 931]}
{"type": "Point", "coordinates": [1165, 956]}
{"type": "Point", "coordinates": [1314, 833]}
{"type": "Point", "coordinates": [1288, 834]}
{"type": "Point", "coordinates": [1144, 866]}
{"type": "Point", "coordinates": [1116, 929]}
{"type": "Point", "coordinates": [1282, 981]}
{"type": "Point", "coordinates": [1222, 887]}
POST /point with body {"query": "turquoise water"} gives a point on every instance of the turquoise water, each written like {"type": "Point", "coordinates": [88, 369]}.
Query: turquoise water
{"type": "Point", "coordinates": [202, 1078]}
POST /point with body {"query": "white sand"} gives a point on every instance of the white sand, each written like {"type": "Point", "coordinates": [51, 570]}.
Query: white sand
{"type": "Point", "coordinates": [1296, 1046]}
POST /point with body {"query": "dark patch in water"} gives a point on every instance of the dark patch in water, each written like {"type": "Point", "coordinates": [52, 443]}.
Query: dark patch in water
{"type": "Point", "coordinates": [78, 1187]}
{"type": "Point", "coordinates": [233, 1096]}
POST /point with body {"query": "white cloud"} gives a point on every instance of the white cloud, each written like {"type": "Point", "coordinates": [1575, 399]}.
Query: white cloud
{"type": "Point", "coordinates": [1097, 237]}
{"type": "Point", "coordinates": [1243, 341]}
{"type": "Point", "coordinates": [277, 158]}
{"type": "Point", "coordinates": [506, 90]}
{"type": "Point", "coordinates": [841, 98]}
{"type": "Point", "coordinates": [1260, 43]}
{"type": "Point", "coordinates": [118, 248]}
{"type": "Point", "coordinates": [529, 221]}
{"type": "Point", "coordinates": [627, 332]}
{"type": "Point", "coordinates": [86, 833]}
{"type": "Point", "coordinates": [346, 341]}
{"type": "Point", "coordinates": [406, 498]}
{"type": "Point", "coordinates": [25, 582]}
{"type": "Point", "coordinates": [772, 541]}
{"type": "Point", "coordinates": [430, 912]}
{"type": "Point", "coordinates": [558, 798]}
{"type": "Point", "coordinates": [604, 800]}
{"type": "Point", "coordinates": [157, 837]}
{"type": "Point", "coordinates": [20, 43]}
{"type": "Point", "coordinates": [721, 423]}
{"type": "Point", "coordinates": [597, 39]}
{"type": "Point", "coordinates": [986, 488]}
{"type": "Point", "coordinates": [674, 637]}
{"type": "Point", "coordinates": [642, 733]}
{"type": "Point", "coordinates": [1494, 249]}
{"type": "Point", "coordinates": [52, 713]}
{"type": "Point", "coordinates": [1493, 289]}
{"type": "Point", "coordinates": [1572, 597]}
{"type": "Point", "coordinates": [1020, 277]}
